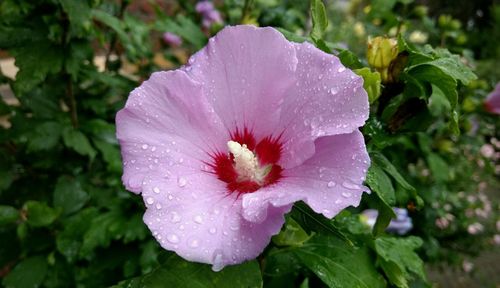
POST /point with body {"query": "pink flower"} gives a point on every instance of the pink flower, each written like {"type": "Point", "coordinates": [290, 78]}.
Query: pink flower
{"type": "Point", "coordinates": [172, 39]}
{"type": "Point", "coordinates": [221, 148]}
{"type": "Point", "coordinates": [209, 14]}
{"type": "Point", "coordinates": [492, 102]}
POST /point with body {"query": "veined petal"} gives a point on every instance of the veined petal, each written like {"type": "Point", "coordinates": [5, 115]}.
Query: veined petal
{"type": "Point", "coordinates": [329, 181]}
{"type": "Point", "coordinates": [327, 99]}
{"type": "Point", "coordinates": [166, 123]}
{"type": "Point", "coordinates": [201, 222]}
{"type": "Point", "coordinates": [246, 72]}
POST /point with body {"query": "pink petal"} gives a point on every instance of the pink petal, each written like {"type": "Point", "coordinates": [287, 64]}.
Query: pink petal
{"type": "Point", "coordinates": [245, 72]}
{"type": "Point", "coordinates": [198, 220]}
{"type": "Point", "coordinates": [166, 125]}
{"type": "Point", "coordinates": [492, 102]}
{"type": "Point", "coordinates": [331, 180]}
{"type": "Point", "coordinates": [327, 99]}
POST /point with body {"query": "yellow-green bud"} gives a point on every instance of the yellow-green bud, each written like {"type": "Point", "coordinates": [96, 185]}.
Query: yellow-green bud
{"type": "Point", "coordinates": [381, 51]}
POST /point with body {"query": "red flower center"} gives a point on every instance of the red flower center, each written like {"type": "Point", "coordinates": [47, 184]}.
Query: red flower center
{"type": "Point", "coordinates": [249, 165]}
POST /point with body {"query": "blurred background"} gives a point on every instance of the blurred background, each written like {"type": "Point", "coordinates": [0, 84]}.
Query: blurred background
{"type": "Point", "coordinates": [68, 66]}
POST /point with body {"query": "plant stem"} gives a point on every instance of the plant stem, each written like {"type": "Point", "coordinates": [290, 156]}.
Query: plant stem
{"type": "Point", "coordinates": [72, 102]}
{"type": "Point", "coordinates": [114, 37]}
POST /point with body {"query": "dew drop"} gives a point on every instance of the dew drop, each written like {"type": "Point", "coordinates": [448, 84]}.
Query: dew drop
{"type": "Point", "coordinates": [156, 190]}
{"type": "Point", "coordinates": [172, 238]}
{"type": "Point", "coordinates": [182, 181]}
{"type": "Point", "coordinates": [198, 219]}
{"type": "Point", "coordinates": [341, 69]}
{"type": "Point", "coordinates": [331, 184]}
{"type": "Point", "coordinates": [144, 146]}
{"type": "Point", "coordinates": [194, 243]}
{"type": "Point", "coordinates": [158, 206]}
{"type": "Point", "coordinates": [150, 200]}
{"type": "Point", "coordinates": [350, 185]}
{"type": "Point", "coordinates": [217, 261]}
{"type": "Point", "coordinates": [175, 217]}
{"type": "Point", "coordinates": [212, 230]}
{"type": "Point", "coordinates": [346, 194]}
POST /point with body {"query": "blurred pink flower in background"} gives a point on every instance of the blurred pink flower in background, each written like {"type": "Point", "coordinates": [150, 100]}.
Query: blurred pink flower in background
{"type": "Point", "coordinates": [221, 148]}
{"type": "Point", "coordinates": [208, 13]}
{"type": "Point", "coordinates": [172, 39]}
{"type": "Point", "coordinates": [492, 102]}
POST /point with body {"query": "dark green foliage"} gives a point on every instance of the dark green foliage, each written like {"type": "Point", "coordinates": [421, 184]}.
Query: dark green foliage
{"type": "Point", "coordinates": [67, 221]}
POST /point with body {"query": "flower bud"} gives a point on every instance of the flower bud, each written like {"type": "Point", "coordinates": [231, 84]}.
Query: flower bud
{"type": "Point", "coordinates": [381, 52]}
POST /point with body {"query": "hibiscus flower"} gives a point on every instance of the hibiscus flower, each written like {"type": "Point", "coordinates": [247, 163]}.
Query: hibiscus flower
{"type": "Point", "coordinates": [492, 102]}
{"type": "Point", "coordinates": [221, 148]}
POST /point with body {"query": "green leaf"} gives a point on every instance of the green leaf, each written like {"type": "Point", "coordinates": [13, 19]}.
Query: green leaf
{"type": "Point", "coordinates": [8, 214]}
{"type": "Point", "coordinates": [177, 272]}
{"type": "Point", "coordinates": [112, 225]}
{"type": "Point", "coordinates": [112, 22]}
{"type": "Point", "coordinates": [434, 75]}
{"type": "Point", "coordinates": [28, 273]}
{"type": "Point", "coordinates": [453, 66]}
{"type": "Point", "coordinates": [291, 234]}
{"type": "Point", "coordinates": [400, 252]}
{"type": "Point", "coordinates": [439, 168]}
{"type": "Point", "coordinates": [6, 178]}
{"type": "Point", "coordinates": [371, 83]}
{"type": "Point", "coordinates": [69, 195]}
{"type": "Point", "coordinates": [395, 275]}
{"type": "Point", "coordinates": [79, 142]}
{"type": "Point", "coordinates": [44, 136]}
{"type": "Point", "coordinates": [40, 214]}
{"type": "Point", "coordinates": [292, 36]}
{"type": "Point", "coordinates": [379, 182]}
{"type": "Point", "coordinates": [319, 19]}
{"type": "Point", "coordinates": [385, 164]}
{"type": "Point", "coordinates": [338, 264]}
{"type": "Point", "coordinates": [69, 240]}
{"type": "Point", "coordinates": [381, 7]}
{"type": "Point", "coordinates": [349, 59]}
{"type": "Point", "coordinates": [35, 61]}
{"type": "Point", "coordinates": [313, 222]}
{"type": "Point", "coordinates": [78, 13]}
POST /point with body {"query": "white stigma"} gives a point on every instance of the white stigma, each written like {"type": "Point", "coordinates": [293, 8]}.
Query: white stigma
{"type": "Point", "coordinates": [246, 163]}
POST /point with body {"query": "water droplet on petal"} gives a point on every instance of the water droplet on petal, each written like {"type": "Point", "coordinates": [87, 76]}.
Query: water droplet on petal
{"type": "Point", "coordinates": [341, 69]}
{"type": "Point", "coordinates": [217, 261]}
{"type": "Point", "coordinates": [172, 238]}
{"type": "Point", "coordinates": [350, 185]}
{"type": "Point", "coordinates": [212, 230]}
{"type": "Point", "coordinates": [150, 200]}
{"type": "Point", "coordinates": [182, 181]}
{"type": "Point", "coordinates": [198, 219]}
{"type": "Point", "coordinates": [156, 190]}
{"type": "Point", "coordinates": [158, 206]}
{"type": "Point", "coordinates": [175, 217]}
{"type": "Point", "coordinates": [331, 184]}
{"type": "Point", "coordinates": [194, 243]}
{"type": "Point", "coordinates": [346, 194]}
{"type": "Point", "coordinates": [144, 146]}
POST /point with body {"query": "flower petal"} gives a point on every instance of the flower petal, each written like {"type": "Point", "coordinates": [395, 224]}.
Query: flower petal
{"type": "Point", "coordinates": [492, 102]}
{"type": "Point", "coordinates": [246, 71]}
{"type": "Point", "coordinates": [202, 223]}
{"type": "Point", "coordinates": [166, 123]}
{"type": "Point", "coordinates": [327, 99]}
{"type": "Point", "coordinates": [331, 180]}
